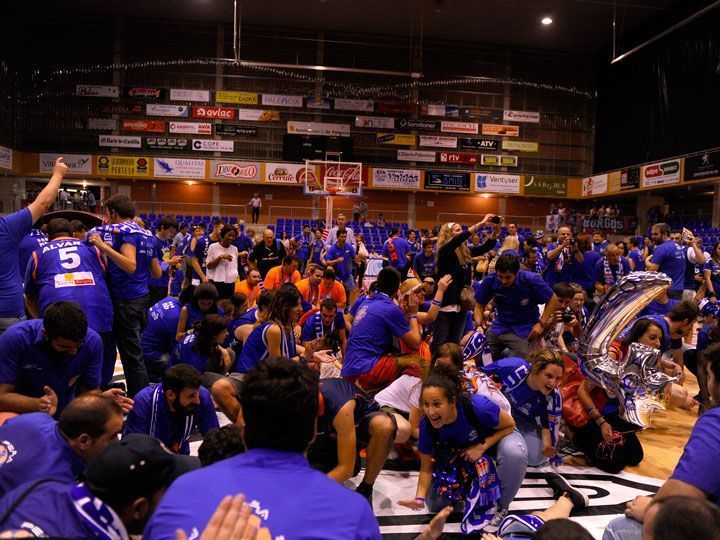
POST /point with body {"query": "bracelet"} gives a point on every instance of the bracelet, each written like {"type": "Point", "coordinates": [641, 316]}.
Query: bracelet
{"type": "Point", "coordinates": [412, 316]}
{"type": "Point", "coordinates": [591, 410]}
{"type": "Point", "coordinates": [437, 303]}
{"type": "Point", "coordinates": [421, 499]}
{"type": "Point", "coordinates": [601, 423]}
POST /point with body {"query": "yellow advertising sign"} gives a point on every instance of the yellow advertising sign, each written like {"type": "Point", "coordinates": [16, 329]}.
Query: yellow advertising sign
{"type": "Point", "coordinates": [614, 182]}
{"type": "Point", "coordinates": [395, 138]}
{"type": "Point", "coordinates": [520, 146]}
{"type": "Point", "coordinates": [242, 98]}
{"type": "Point", "coordinates": [132, 166]}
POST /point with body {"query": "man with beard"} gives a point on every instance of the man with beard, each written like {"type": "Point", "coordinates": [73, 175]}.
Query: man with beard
{"type": "Point", "coordinates": [173, 409]}
{"type": "Point", "coordinates": [667, 257]}
{"type": "Point", "coordinates": [327, 326]}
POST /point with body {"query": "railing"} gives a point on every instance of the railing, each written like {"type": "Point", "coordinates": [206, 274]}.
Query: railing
{"type": "Point", "coordinates": [533, 222]}
{"type": "Point", "coordinates": [240, 211]}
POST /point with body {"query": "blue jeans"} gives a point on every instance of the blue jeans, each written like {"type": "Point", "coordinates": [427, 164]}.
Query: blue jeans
{"type": "Point", "coordinates": [448, 328]}
{"type": "Point", "coordinates": [7, 322]}
{"type": "Point", "coordinates": [623, 528]}
{"type": "Point", "coordinates": [533, 440]}
{"type": "Point", "coordinates": [128, 324]}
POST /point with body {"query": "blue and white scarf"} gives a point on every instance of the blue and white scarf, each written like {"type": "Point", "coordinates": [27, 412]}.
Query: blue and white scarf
{"type": "Point", "coordinates": [175, 446]}
{"type": "Point", "coordinates": [319, 327]}
{"type": "Point", "coordinates": [608, 274]}
{"type": "Point", "coordinates": [475, 346]}
{"type": "Point", "coordinates": [127, 227]}
{"type": "Point", "coordinates": [97, 516]}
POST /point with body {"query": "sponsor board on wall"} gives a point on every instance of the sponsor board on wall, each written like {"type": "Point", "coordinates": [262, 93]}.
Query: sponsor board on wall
{"type": "Point", "coordinates": [354, 105]}
{"type": "Point", "coordinates": [479, 144]}
{"type": "Point", "coordinates": [317, 103]}
{"type": "Point", "coordinates": [520, 146]}
{"type": "Point", "coordinates": [630, 178]}
{"type": "Point", "coordinates": [159, 109]}
{"type": "Point", "coordinates": [544, 185]}
{"type": "Point", "coordinates": [660, 174]}
{"type": "Point", "coordinates": [396, 178]}
{"type": "Point", "coordinates": [198, 128]}
{"type": "Point", "coordinates": [120, 141]}
{"type": "Point", "coordinates": [433, 110]}
{"type": "Point", "coordinates": [167, 144]}
{"type": "Point", "coordinates": [497, 183]}
{"type": "Point", "coordinates": [258, 115]}
{"type": "Point", "coordinates": [498, 161]}
{"type": "Point", "coordinates": [239, 98]}
{"type": "Point", "coordinates": [96, 90]}
{"type": "Point", "coordinates": [286, 173]}
{"type": "Point", "coordinates": [212, 145]}
{"type": "Point", "coordinates": [438, 141]}
{"type": "Point", "coordinates": [318, 128]}
{"type": "Point", "coordinates": [521, 116]}
{"type": "Point", "coordinates": [148, 126]}
{"type": "Point", "coordinates": [613, 225]}
{"type": "Point", "coordinates": [235, 130]}
{"type": "Point", "coordinates": [412, 123]}
{"type": "Point", "coordinates": [458, 157]}
{"type": "Point", "coordinates": [501, 130]}
{"type": "Point", "coordinates": [702, 166]}
{"type": "Point", "coordinates": [594, 185]}
{"type": "Point", "coordinates": [77, 163]}
{"type": "Point", "coordinates": [396, 107]}
{"type": "Point", "coordinates": [144, 92]}
{"type": "Point", "coordinates": [280, 100]}
{"type": "Point", "coordinates": [132, 166]}
{"type": "Point", "coordinates": [416, 155]}
{"type": "Point", "coordinates": [447, 181]}
{"type": "Point", "coordinates": [222, 113]}
{"type": "Point", "coordinates": [179, 168]}
{"type": "Point", "coordinates": [240, 171]}
{"type": "Point", "coordinates": [107, 124]}
{"type": "Point", "coordinates": [395, 138]}
{"type": "Point", "coordinates": [121, 108]}
{"type": "Point", "coordinates": [614, 181]}
{"type": "Point", "coordinates": [6, 157]}
{"type": "Point", "coordinates": [184, 94]}
{"type": "Point", "coordinates": [459, 127]}
{"type": "Point", "coordinates": [375, 122]}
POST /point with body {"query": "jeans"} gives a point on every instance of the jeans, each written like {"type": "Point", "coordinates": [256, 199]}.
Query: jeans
{"type": "Point", "coordinates": [7, 322]}
{"type": "Point", "coordinates": [623, 528]}
{"type": "Point", "coordinates": [511, 459]}
{"type": "Point", "coordinates": [448, 328]}
{"type": "Point", "coordinates": [517, 346]}
{"type": "Point", "coordinates": [130, 320]}
{"type": "Point", "coordinates": [109, 357]}
{"type": "Point", "coordinates": [533, 440]}
{"type": "Point", "coordinates": [255, 214]}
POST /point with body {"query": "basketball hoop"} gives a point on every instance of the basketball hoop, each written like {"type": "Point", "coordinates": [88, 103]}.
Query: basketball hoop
{"type": "Point", "coordinates": [333, 190]}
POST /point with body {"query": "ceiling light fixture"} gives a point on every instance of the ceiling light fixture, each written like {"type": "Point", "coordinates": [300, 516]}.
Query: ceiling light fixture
{"type": "Point", "coordinates": [546, 20]}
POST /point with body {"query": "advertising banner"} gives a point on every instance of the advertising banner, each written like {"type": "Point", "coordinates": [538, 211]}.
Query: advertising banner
{"type": "Point", "coordinates": [318, 128]}
{"type": "Point", "coordinates": [459, 127]}
{"type": "Point", "coordinates": [630, 178]}
{"type": "Point", "coordinates": [521, 116]}
{"type": "Point", "coordinates": [611, 225]}
{"type": "Point", "coordinates": [433, 110]}
{"type": "Point", "coordinates": [120, 141]}
{"type": "Point", "coordinates": [212, 145]}
{"type": "Point", "coordinates": [222, 113]}
{"type": "Point", "coordinates": [106, 124]}
{"type": "Point", "coordinates": [497, 129]}
{"type": "Point", "coordinates": [660, 174]}
{"type": "Point", "coordinates": [95, 90]}
{"type": "Point", "coordinates": [397, 107]}
{"type": "Point", "coordinates": [396, 178]}
{"type": "Point", "coordinates": [183, 94]}
{"type": "Point", "coordinates": [240, 171]}
{"type": "Point", "coordinates": [702, 166]}
{"type": "Point", "coordinates": [130, 166]}
{"type": "Point", "coordinates": [258, 115]}
{"type": "Point", "coordinates": [479, 144]}
{"type": "Point", "coordinates": [169, 144]}
{"type": "Point", "coordinates": [235, 130]}
{"type": "Point", "coordinates": [197, 128]}
{"type": "Point", "coordinates": [148, 126]}
{"type": "Point", "coordinates": [77, 163]}
{"type": "Point", "coordinates": [317, 103]}
{"type": "Point", "coordinates": [286, 173]}
{"type": "Point", "coordinates": [279, 100]}
{"type": "Point", "coordinates": [179, 168]}
{"type": "Point", "coordinates": [376, 122]}
{"type": "Point", "coordinates": [498, 161]}
{"type": "Point", "coordinates": [416, 155]}
{"type": "Point", "coordinates": [412, 123]}
{"type": "Point", "coordinates": [458, 157]}
{"type": "Point", "coordinates": [395, 138]}
{"type": "Point", "coordinates": [447, 181]}
{"type": "Point", "coordinates": [614, 182]}
{"type": "Point", "coordinates": [520, 146]}
{"type": "Point", "coordinates": [158, 109]}
{"type": "Point", "coordinates": [354, 105]}
{"type": "Point", "coordinates": [239, 98]}
{"type": "Point", "coordinates": [544, 185]}
{"type": "Point", "coordinates": [144, 92]}
{"type": "Point", "coordinates": [594, 185]}
{"type": "Point", "coordinates": [497, 183]}
{"type": "Point", "coordinates": [6, 157]}
{"type": "Point", "coordinates": [121, 108]}
{"type": "Point", "coordinates": [438, 141]}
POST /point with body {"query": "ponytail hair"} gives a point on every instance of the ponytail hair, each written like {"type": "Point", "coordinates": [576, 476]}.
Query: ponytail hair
{"type": "Point", "coordinates": [447, 380]}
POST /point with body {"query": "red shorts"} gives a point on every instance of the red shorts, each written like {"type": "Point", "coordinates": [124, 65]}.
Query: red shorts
{"type": "Point", "coordinates": [381, 375]}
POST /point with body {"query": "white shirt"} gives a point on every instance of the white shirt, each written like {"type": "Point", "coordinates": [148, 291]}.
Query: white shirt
{"type": "Point", "coordinates": [226, 271]}
{"type": "Point", "coordinates": [403, 394]}
{"type": "Point", "coordinates": [256, 202]}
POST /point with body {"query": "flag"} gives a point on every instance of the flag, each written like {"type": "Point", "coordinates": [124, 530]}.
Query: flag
{"type": "Point", "coordinates": [474, 346]}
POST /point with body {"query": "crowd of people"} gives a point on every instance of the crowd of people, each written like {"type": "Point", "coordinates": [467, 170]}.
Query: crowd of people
{"type": "Point", "coordinates": [460, 361]}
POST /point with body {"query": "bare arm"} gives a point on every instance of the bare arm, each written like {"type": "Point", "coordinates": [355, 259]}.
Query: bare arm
{"type": "Point", "coordinates": [182, 324]}
{"type": "Point", "coordinates": [125, 258]}
{"type": "Point", "coordinates": [45, 199]}
{"type": "Point", "coordinates": [11, 401]}
{"type": "Point", "coordinates": [155, 268]}
{"type": "Point", "coordinates": [274, 335]}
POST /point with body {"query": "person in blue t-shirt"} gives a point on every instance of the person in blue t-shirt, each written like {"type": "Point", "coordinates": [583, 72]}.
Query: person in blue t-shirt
{"type": "Point", "coordinates": [599, 244]}
{"type": "Point", "coordinates": [327, 326]}
{"type": "Point", "coordinates": [121, 489]}
{"type": "Point", "coordinates": [280, 410]}
{"type": "Point", "coordinates": [203, 302]}
{"type": "Point", "coordinates": [13, 228]}
{"type": "Point", "coordinates": [34, 446]}
{"type": "Point", "coordinates": [661, 305]}
{"type": "Point", "coordinates": [424, 263]}
{"type": "Point", "coordinates": [667, 257]}
{"type": "Point", "coordinates": [635, 255]}
{"type": "Point", "coordinates": [696, 361]}
{"type": "Point", "coordinates": [32, 242]}
{"type": "Point", "coordinates": [317, 247]}
{"type": "Point", "coordinates": [164, 251]}
{"type": "Point", "coordinates": [584, 273]}
{"type": "Point", "coordinates": [303, 241]}
{"type": "Point", "coordinates": [696, 474]}
{"type": "Point", "coordinates": [244, 245]}
{"type": "Point", "coordinates": [609, 269]}
{"type": "Point", "coordinates": [397, 252]}
{"type": "Point", "coordinates": [711, 272]}
{"type": "Point", "coordinates": [563, 257]}
{"type": "Point", "coordinates": [173, 409]}
{"type": "Point", "coordinates": [131, 262]}
{"type": "Point", "coordinates": [197, 251]}
{"type": "Point", "coordinates": [517, 295]}
{"type": "Point", "coordinates": [341, 257]}
{"type": "Point", "coordinates": [158, 339]}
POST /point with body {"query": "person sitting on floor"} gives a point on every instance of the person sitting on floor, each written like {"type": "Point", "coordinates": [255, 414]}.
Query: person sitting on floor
{"type": "Point", "coordinates": [203, 302]}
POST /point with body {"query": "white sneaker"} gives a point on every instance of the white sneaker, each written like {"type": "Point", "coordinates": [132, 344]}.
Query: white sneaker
{"type": "Point", "coordinates": [497, 519]}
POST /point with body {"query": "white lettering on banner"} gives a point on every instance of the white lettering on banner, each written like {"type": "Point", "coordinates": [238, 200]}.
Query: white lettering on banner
{"type": "Point", "coordinates": [594, 185]}
{"type": "Point", "coordinates": [182, 94]}
{"type": "Point", "coordinates": [497, 183]}
{"type": "Point", "coordinates": [280, 100]}
{"type": "Point", "coordinates": [459, 127]}
{"type": "Point", "coordinates": [371, 122]}
{"type": "Point", "coordinates": [396, 178]}
{"type": "Point", "coordinates": [74, 279]}
{"type": "Point", "coordinates": [158, 109]}
{"type": "Point", "coordinates": [258, 115]}
{"type": "Point", "coordinates": [416, 155]}
{"type": "Point", "coordinates": [658, 174]}
{"type": "Point", "coordinates": [6, 157]}
{"type": "Point", "coordinates": [438, 141]}
{"type": "Point", "coordinates": [120, 141]}
{"type": "Point", "coordinates": [200, 128]}
{"type": "Point", "coordinates": [286, 173]}
{"type": "Point", "coordinates": [235, 170]}
{"type": "Point", "coordinates": [434, 110]}
{"type": "Point", "coordinates": [211, 145]}
{"type": "Point", "coordinates": [109, 124]}
{"type": "Point", "coordinates": [77, 163]}
{"type": "Point", "coordinates": [94, 90]}
{"type": "Point", "coordinates": [179, 168]}
{"type": "Point", "coordinates": [225, 113]}
{"type": "Point", "coordinates": [354, 105]}
{"type": "Point", "coordinates": [521, 116]}
{"type": "Point", "coordinates": [318, 128]}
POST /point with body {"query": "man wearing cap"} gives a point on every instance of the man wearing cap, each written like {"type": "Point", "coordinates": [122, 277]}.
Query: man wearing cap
{"type": "Point", "coordinates": [173, 409]}
{"type": "Point", "coordinates": [34, 446]}
{"type": "Point", "coordinates": [121, 490]}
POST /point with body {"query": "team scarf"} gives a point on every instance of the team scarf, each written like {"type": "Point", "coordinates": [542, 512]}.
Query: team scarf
{"type": "Point", "coordinates": [158, 396]}
{"type": "Point", "coordinates": [37, 233]}
{"type": "Point", "coordinates": [608, 274]}
{"type": "Point", "coordinates": [319, 327]}
{"type": "Point", "coordinates": [529, 521]}
{"type": "Point", "coordinates": [475, 346]}
{"type": "Point", "coordinates": [97, 516]}
{"type": "Point", "coordinates": [127, 227]}
{"type": "Point", "coordinates": [562, 259]}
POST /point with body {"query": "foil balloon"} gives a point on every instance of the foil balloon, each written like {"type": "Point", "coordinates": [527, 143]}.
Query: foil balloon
{"type": "Point", "coordinates": [635, 380]}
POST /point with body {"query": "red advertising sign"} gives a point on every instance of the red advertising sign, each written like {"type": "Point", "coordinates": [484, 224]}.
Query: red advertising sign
{"type": "Point", "coordinates": [395, 107]}
{"type": "Point", "coordinates": [224, 113]}
{"type": "Point", "coordinates": [148, 126]}
{"type": "Point", "coordinates": [458, 157]}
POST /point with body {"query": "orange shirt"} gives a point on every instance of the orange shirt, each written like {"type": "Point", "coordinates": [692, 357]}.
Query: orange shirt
{"type": "Point", "coordinates": [337, 292]}
{"type": "Point", "coordinates": [310, 294]}
{"type": "Point", "coordinates": [251, 294]}
{"type": "Point", "coordinates": [275, 278]}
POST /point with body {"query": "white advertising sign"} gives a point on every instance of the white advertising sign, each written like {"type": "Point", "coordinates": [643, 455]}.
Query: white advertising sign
{"type": "Point", "coordinates": [158, 109]}
{"type": "Point", "coordinates": [435, 110]}
{"type": "Point", "coordinates": [179, 168]}
{"type": "Point", "coordinates": [77, 163]}
{"type": "Point", "coordinates": [371, 122]}
{"type": "Point", "coordinates": [6, 156]}
{"type": "Point", "coordinates": [659, 174]}
{"type": "Point", "coordinates": [285, 173]}
{"type": "Point", "coordinates": [594, 185]}
{"type": "Point", "coordinates": [94, 90]}
{"type": "Point", "coordinates": [280, 100]}
{"type": "Point", "coordinates": [109, 124]}
{"type": "Point", "coordinates": [438, 141]}
{"type": "Point", "coordinates": [200, 128]}
{"type": "Point", "coordinates": [258, 115]}
{"type": "Point", "coordinates": [183, 94]}
{"type": "Point", "coordinates": [396, 178]}
{"type": "Point", "coordinates": [212, 145]}
{"type": "Point", "coordinates": [242, 171]}
{"type": "Point", "coordinates": [121, 141]}
{"type": "Point", "coordinates": [521, 116]}
{"type": "Point", "coordinates": [318, 128]}
{"type": "Point", "coordinates": [459, 127]}
{"type": "Point", "coordinates": [416, 155]}
{"type": "Point", "coordinates": [354, 105]}
{"type": "Point", "coordinates": [497, 183]}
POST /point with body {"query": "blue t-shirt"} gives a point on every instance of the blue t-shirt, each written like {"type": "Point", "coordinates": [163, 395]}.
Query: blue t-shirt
{"type": "Point", "coordinates": [424, 266]}
{"type": "Point", "coordinates": [151, 415]}
{"type": "Point", "coordinates": [343, 270]}
{"type": "Point", "coordinates": [562, 267]}
{"type": "Point", "coordinates": [608, 274]}
{"type": "Point", "coordinates": [176, 283]}
{"type": "Point", "coordinates": [667, 341]}
{"type": "Point", "coordinates": [517, 305]}
{"type": "Point", "coordinates": [356, 304]}
{"type": "Point", "coordinates": [463, 432]}
{"type": "Point", "coordinates": [31, 448]}
{"type": "Point", "coordinates": [698, 463]}
{"type": "Point", "coordinates": [714, 268]}
{"type": "Point", "coordinates": [29, 362]}
{"type": "Point", "coordinates": [671, 258]}
{"type": "Point", "coordinates": [36, 239]}
{"type": "Point", "coordinates": [249, 317]}
{"type": "Point", "coordinates": [13, 229]}
{"type": "Point", "coordinates": [162, 251]}
{"type": "Point", "coordinates": [314, 327]}
{"type": "Point", "coordinates": [243, 243]}
{"type": "Point", "coordinates": [584, 273]}
{"type": "Point", "coordinates": [656, 308]}
{"type": "Point", "coordinates": [303, 242]}
{"type": "Point", "coordinates": [185, 353]}
{"type": "Point", "coordinates": [255, 348]}
{"type": "Point", "coordinates": [194, 313]}
{"type": "Point", "coordinates": [318, 246]}
{"type": "Point", "coordinates": [335, 393]}
{"type": "Point", "coordinates": [158, 338]}
{"type": "Point", "coordinates": [396, 251]}
{"type": "Point", "coordinates": [600, 247]}
{"type": "Point", "coordinates": [274, 481]}
{"type": "Point", "coordinates": [376, 323]}
{"type": "Point", "coordinates": [637, 257]}
{"type": "Point", "coordinates": [691, 271]}
{"type": "Point", "coordinates": [704, 340]}
{"type": "Point", "coordinates": [71, 270]}
{"type": "Point", "coordinates": [124, 286]}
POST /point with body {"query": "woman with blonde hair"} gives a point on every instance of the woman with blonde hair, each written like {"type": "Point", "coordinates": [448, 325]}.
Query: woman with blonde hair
{"type": "Point", "coordinates": [510, 246]}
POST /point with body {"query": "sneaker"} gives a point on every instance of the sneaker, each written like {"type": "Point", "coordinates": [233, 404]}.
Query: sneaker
{"type": "Point", "coordinates": [561, 487]}
{"type": "Point", "coordinates": [366, 491]}
{"type": "Point", "coordinates": [495, 522]}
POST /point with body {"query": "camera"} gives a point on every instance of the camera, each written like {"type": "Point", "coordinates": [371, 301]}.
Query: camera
{"type": "Point", "coordinates": [567, 315]}
{"type": "Point", "coordinates": [495, 219]}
